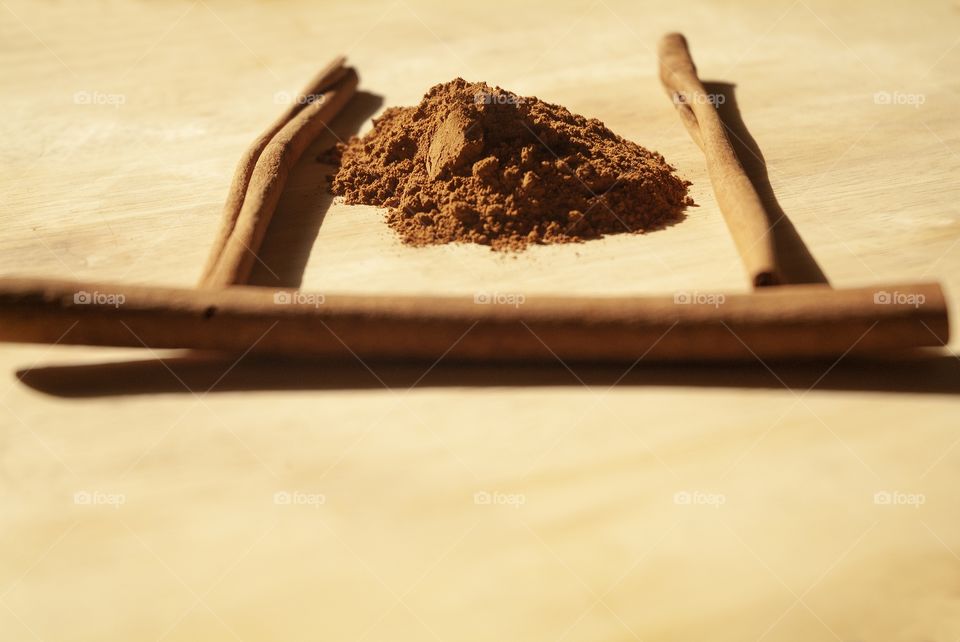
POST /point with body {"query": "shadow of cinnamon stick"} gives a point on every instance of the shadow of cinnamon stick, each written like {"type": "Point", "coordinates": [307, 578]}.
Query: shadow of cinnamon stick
{"type": "Point", "coordinates": [305, 202]}
{"type": "Point", "coordinates": [797, 263]}
{"type": "Point", "coordinates": [917, 372]}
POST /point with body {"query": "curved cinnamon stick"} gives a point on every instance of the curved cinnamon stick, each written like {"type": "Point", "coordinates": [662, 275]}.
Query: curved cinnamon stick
{"type": "Point", "coordinates": [787, 322]}
{"type": "Point", "coordinates": [302, 121]}
{"type": "Point", "coordinates": [742, 209]}
{"type": "Point", "coordinates": [241, 175]}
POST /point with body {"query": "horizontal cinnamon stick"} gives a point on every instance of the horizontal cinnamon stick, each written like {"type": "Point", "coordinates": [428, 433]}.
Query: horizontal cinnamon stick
{"type": "Point", "coordinates": [775, 323]}
{"type": "Point", "coordinates": [741, 206]}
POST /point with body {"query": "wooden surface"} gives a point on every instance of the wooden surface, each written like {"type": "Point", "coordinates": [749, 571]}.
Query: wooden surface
{"type": "Point", "coordinates": [144, 499]}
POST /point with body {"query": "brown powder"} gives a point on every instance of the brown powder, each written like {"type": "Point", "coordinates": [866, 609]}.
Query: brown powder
{"type": "Point", "coordinates": [477, 164]}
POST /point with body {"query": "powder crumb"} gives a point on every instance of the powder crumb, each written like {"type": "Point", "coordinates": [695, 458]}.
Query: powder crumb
{"type": "Point", "coordinates": [477, 164]}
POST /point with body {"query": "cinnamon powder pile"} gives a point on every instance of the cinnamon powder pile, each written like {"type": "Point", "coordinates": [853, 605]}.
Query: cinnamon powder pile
{"type": "Point", "coordinates": [477, 164]}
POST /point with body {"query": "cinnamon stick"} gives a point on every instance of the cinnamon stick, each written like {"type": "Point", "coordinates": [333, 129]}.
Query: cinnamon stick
{"type": "Point", "coordinates": [788, 322]}
{"type": "Point", "coordinates": [262, 173]}
{"type": "Point", "coordinates": [241, 175]}
{"type": "Point", "coordinates": [742, 209]}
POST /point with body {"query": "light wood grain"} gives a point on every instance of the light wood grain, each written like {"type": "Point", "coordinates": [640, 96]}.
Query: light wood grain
{"type": "Point", "coordinates": [599, 548]}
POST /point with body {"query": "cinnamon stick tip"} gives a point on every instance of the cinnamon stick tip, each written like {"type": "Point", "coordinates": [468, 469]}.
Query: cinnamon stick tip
{"type": "Point", "coordinates": [765, 279]}
{"type": "Point", "coordinates": [671, 41]}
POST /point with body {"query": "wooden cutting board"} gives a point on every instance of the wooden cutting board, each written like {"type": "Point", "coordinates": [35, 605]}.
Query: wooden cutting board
{"type": "Point", "coordinates": [149, 496]}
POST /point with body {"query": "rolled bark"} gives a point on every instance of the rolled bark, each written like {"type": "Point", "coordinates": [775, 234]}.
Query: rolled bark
{"type": "Point", "coordinates": [233, 264]}
{"type": "Point", "coordinates": [789, 322]}
{"type": "Point", "coordinates": [742, 208]}
{"type": "Point", "coordinates": [324, 79]}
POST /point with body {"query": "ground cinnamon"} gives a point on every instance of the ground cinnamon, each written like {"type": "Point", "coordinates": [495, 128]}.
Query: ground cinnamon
{"type": "Point", "coordinates": [474, 163]}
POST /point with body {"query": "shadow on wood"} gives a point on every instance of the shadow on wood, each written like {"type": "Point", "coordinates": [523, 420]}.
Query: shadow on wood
{"type": "Point", "coordinates": [185, 372]}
